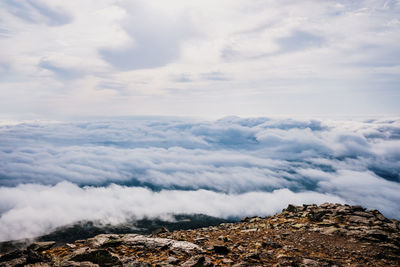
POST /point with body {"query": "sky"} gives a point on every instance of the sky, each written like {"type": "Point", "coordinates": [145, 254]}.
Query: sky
{"type": "Point", "coordinates": [208, 59]}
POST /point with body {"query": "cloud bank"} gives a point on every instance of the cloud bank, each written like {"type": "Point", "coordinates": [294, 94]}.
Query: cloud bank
{"type": "Point", "coordinates": [113, 170]}
{"type": "Point", "coordinates": [32, 208]}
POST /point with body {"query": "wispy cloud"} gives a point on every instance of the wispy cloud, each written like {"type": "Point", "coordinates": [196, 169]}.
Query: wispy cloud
{"type": "Point", "coordinates": [38, 12]}
{"type": "Point", "coordinates": [61, 72]}
{"type": "Point", "coordinates": [299, 41]}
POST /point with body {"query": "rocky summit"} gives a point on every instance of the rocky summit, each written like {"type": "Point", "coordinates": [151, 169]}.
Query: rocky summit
{"type": "Point", "coordinates": [308, 235]}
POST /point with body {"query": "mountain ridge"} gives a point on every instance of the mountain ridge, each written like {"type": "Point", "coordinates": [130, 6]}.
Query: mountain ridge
{"type": "Point", "coordinates": [308, 235]}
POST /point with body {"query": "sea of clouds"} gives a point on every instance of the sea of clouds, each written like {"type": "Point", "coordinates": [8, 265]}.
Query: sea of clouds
{"type": "Point", "coordinates": [56, 173]}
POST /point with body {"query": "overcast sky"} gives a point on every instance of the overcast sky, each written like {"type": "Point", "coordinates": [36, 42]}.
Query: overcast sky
{"type": "Point", "coordinates": [62, 59]}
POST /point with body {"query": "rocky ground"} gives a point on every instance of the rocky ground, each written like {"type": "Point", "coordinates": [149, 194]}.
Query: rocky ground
{"type": "Point", "coordinates": [308, 235]}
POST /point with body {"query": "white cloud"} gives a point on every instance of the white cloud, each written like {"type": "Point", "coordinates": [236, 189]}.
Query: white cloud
{"type": "Point", "coordinates": [123, 57]}
{"type": "Point", "coordinates": [28, 210]}
{"type": "Point", "coordinates": [240, 159]}
{"type": "Point", "coordinates": [156, 37]}
{"type": "Point", "coordinates": [38, 12]}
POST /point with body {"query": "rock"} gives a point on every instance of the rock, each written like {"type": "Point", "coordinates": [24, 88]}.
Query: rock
{"type": "Point", "coordinates": [342, 209]}
{"type": "Point", "coordinates": [316, 216]}
{"type": "Point", "coordinates": [101, 257]}
{"type": "Point", "coordinates": [172, 260]}
{"type": "Point", "coordinates": [39, 264]}
{"type": "Point", "coordinates": [41, 246]}
{"type": "Point", "coordinates": [246, 219]}
{"type": "Point", "coordinates": [358, 219]}
{"type": "Point", "coordinates": [138, 264]}
{"type": "Point", "coordinates": [254, 219]}
{"type": "Point", "coordinates": [99, 240]}
{"type": "Point", "coordinates": [195, 261]}
{"type": "Point", "coordinates": [299, 225]}
{"type": "Point", "coordinates": [227, 261]}
{"type": "Point", "coordinates": [155, 242]}
{"type": "Point", "coordinates": [227, 239]}
{"type": "Point", "coordinates": [378, 235]}
{"type": "Point", "coordinates": [34, 257]}
{"type": "Point", "coordinates": [252, 256]}
{"type": "Point", "coordinates": [310, 207]}
{"type": "Point", "coordinates": [200, 240]}
{"type": "Point", "coordinates": [390, 246]}
{"type": "Point", "coordinates": [364, 214]}
{"type": "Point", "coordinates": [160, 231]}
{"type": "Point", "coordinates": [221, 249]}
{"type": "Point", "coordinates": [311, 263]}
{"type": "Point", "coordinates": [12, 255]}
{"type": "Point", "coordinates": [185, 246]}
{"type": "Point", "coordinates": [112, 243]}
{"type": "Point", "coordinates": [393, 226]}
{"type": "Point", "coordinates": [357, 208]}
{"type": "Point", "coordinates": [241, 264]}
{"type": "Point", "coordinates": [271, 244]}
{"type": "Point", "coordinates": [330, 230]}
{"type": "Point", "coordinates": [71, 246]}
{"type": "Point", "coordinates": [249, 230]}
{"type": "Point", "coordinates": [78, 264]}
{"type": "Point", "coordinates": [14, 262]}
{"type": "Point", "coordinates": [291, 208]}
{"type": "Point", "coordinates": [326, 205]}
{"type": "Point", "coordinates": [378, 215]}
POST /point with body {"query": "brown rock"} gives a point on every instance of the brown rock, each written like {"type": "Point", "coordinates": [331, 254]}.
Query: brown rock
{"type": "Point", "coordinates": [291, 208]}
{"type": "Point", "coordinates": [358, 220]}
{"type": "Point", "coordinates": [138, 264]}
{"type": "Point", "coordinates": [160, 231]}
{"type": "Point", "coordinates": [78, 264]}
{"type": "Point", "coordinates": [311, 263]}
{"type": "Point", "coordinates": [364, 214]}
{"type": "Point", "coordinates": [12, 255]}
{"type": "Point", "coordinates": [41, 246]}
{"type": "Point", "coordinates": [357, 208]}
{"type": "Point", "coordinates": [196, 261]}
{"type": "Point", "coordinates": [14, 262]}
{"type": "Point", "coordinates": [376, 234]}
{"type": "Point", "coordinates": [221, 249]}
{"type": "Point", "coordinates": [101, 257]}
{"type": "Point", "coordinates": [378, 215]}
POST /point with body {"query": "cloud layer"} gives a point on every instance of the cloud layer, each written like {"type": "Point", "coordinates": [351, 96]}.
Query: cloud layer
{"type": "Point", "coordinates": [114, 170]}
{"type": "Point", "coordinates": [33, 207]}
